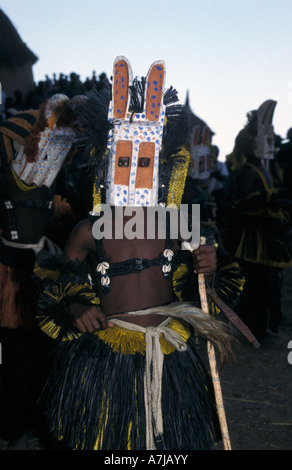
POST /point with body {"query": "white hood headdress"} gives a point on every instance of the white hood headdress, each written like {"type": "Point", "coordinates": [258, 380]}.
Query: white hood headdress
{"type": "Point", "coordinates": [53, 146]}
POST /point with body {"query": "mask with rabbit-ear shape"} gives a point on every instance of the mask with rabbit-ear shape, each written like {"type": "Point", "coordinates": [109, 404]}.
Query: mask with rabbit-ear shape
{"type": "Point", "coordinates": [53, 146]}
{"type": "Point", "coordinates": [264, 141]}
{"type": "Point", "coordinates": [136, 138]}
{"type": "Point", "coordinates": [200, 153]}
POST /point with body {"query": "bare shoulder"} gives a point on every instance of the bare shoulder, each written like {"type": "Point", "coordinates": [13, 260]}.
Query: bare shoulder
{"type": "Point", "coordinates": [81, 231]}
{"type": "Point", "coordinates": [81, 240]}
{"type": "Point", "coordinates": [83, 227]}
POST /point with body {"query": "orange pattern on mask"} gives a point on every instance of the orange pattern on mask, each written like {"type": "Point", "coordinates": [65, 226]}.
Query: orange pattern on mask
{"type": "Point", "coordinates": [154, 93]}
{"type": "Point", "coordinates": [144, 175]}
{"type": "Point", "coordinates": [122, 173]}
{"type": "Point", "coordinates": [120, 89]}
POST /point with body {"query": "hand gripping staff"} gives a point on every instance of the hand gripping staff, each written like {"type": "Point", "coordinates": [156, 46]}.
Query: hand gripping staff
{"type": "Point", "coordinates": [212, 362]}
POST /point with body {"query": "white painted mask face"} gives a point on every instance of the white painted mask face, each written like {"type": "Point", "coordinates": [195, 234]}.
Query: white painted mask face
{"type": "Point", "coordinates": [135, 142]}
{"type": "Point", "coordinates": [264, 142]}
{"type": "Point", "coordinates": [54, 145]}
{"type": "Point", "coordinates": [200, 154]}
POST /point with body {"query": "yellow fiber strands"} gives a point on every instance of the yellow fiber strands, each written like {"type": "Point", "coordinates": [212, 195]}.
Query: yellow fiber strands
{"type": "Point", "coordinates": [178, 178]}
{"type": "Point", "coordinates": [126, 342]}
{"type": "Point", "coordinates": [57, 290]}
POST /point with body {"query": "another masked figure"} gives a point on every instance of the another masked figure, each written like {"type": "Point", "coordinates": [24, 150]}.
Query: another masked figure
{"type": "Point", "coordinates": [254, 228]}
{"type": "Point", "coordinates": [33, 147]}
{"type": "Point", "coordinates": [196, 187]}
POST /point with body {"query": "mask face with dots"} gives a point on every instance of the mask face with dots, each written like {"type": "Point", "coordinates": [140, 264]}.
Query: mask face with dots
{"type": "Point", "coordinates": [200, 153]}
{"type": "Point", "coordinates": [135, 141]}
{"type": "Point", "coordinates": [264, 142]}
{"type": "Point", "coordinates": [53, 147]}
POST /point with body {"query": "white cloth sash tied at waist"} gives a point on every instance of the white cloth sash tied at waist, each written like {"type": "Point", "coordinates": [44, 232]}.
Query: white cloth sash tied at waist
{"type": "Point", "coordinates": [153, 373]}
{"type": "Point", "coordinates": [44, 242]}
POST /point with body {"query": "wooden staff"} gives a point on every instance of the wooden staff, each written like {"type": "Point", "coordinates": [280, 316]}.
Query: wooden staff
{"type": "Point", "coordinates": [213, 365]}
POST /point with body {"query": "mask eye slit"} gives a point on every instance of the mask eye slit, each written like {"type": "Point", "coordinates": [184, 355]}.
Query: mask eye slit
{"type": "Point", "coordinates": [123, 162]}
{"type": "Point", "coordinates": [144, 162]}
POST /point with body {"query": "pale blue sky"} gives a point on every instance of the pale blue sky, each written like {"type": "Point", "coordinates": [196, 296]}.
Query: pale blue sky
{"type": "Point", "coordinates": [230, 54]}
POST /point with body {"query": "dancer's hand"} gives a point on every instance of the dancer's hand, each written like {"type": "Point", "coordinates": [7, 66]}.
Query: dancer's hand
{"type": "Point", "coordinates": [205, 259]}
{"type": "Point", "coordinates": [88, 318]}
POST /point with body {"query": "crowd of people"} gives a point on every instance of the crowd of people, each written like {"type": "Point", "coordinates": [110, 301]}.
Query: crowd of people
{"type": "Point", "coordinates": [69, 85]}
{"type": "Point", "coordinates": [95, 306]}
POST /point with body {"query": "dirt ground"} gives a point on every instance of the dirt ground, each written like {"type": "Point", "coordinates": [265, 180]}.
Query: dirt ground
{"type": "Point", "coordinates": [257, 387]}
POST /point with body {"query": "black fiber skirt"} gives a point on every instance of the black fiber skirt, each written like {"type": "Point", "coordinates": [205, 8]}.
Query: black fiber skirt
{"type": "Point", "coordinates": [94, 398]}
